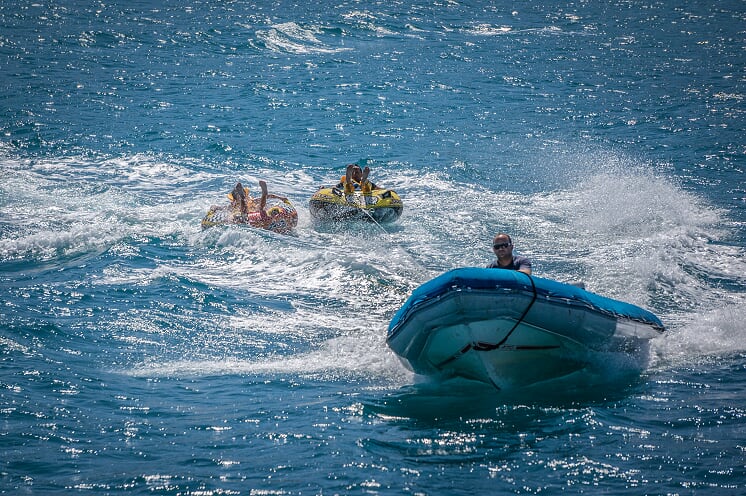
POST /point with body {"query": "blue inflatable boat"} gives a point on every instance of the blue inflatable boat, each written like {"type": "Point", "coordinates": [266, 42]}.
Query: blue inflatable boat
{"type": "Point", "coordinates": [509, 329]}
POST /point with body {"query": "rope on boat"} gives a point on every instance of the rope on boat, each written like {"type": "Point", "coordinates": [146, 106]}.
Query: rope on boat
{"type": "Point", "coordinates": [482, 346]}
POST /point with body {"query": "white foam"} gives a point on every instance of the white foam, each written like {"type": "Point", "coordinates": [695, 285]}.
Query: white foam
{"type": "Point", "coordinates": [703, 336]}
{"type": "Point", "coordinates": [70, 205]}
{"type": "Point", "coordinates": [290, 37]}
{"type": "Point", "coordinates": [341, 358]}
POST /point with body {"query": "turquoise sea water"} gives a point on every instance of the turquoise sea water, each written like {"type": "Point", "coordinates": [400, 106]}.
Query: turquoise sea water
{"type": "Point", "coordinates": [142, 355]}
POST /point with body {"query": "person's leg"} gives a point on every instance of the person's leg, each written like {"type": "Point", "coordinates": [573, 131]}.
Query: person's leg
{"type": "Point", "coordinates": [349, 188]}
{"type": "Point", "coordinates": [239, 196]}
{"type": "Point", "coordinates": [263, 199]}
{"type": "Point", "coordinates": [364, 183]}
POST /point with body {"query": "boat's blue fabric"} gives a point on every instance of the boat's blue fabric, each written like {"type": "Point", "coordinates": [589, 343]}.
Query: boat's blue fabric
{"type": "Point", "coordinates": [486, 279]}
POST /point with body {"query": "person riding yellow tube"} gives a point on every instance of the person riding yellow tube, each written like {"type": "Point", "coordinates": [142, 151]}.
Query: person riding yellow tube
{"type": "Point", "coordinates": [356, 178]}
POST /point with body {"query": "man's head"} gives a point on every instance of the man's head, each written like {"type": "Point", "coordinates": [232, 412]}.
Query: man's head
{"type": "Point", "coordinates": [502, 245]}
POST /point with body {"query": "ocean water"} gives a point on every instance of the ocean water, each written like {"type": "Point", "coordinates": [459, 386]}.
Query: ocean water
{"type": "Point", "coordinates": [143, 355]}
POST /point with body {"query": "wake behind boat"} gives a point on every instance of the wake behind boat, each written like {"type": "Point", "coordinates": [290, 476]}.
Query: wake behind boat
{"type": "Point", "coordinates": [509, 329]}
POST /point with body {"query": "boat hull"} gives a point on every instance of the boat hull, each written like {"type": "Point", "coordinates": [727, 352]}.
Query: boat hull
{"type": "Point", "coordinates": [510, 329]}
{"type": "Point", "coordinates": [331, 204]}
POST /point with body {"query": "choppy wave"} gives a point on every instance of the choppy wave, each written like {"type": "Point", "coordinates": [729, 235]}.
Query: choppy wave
{"type": "Point", "coordinates": [290, 37]}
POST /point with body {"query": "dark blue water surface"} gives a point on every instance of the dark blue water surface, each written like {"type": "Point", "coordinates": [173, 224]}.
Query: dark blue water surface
{"type": "Point", "coordinates": [143, 355]}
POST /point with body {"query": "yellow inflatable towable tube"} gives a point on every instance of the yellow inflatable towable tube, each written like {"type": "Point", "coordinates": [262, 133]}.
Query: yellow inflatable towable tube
{"type": "Point", "coordinates": [330, 203]}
